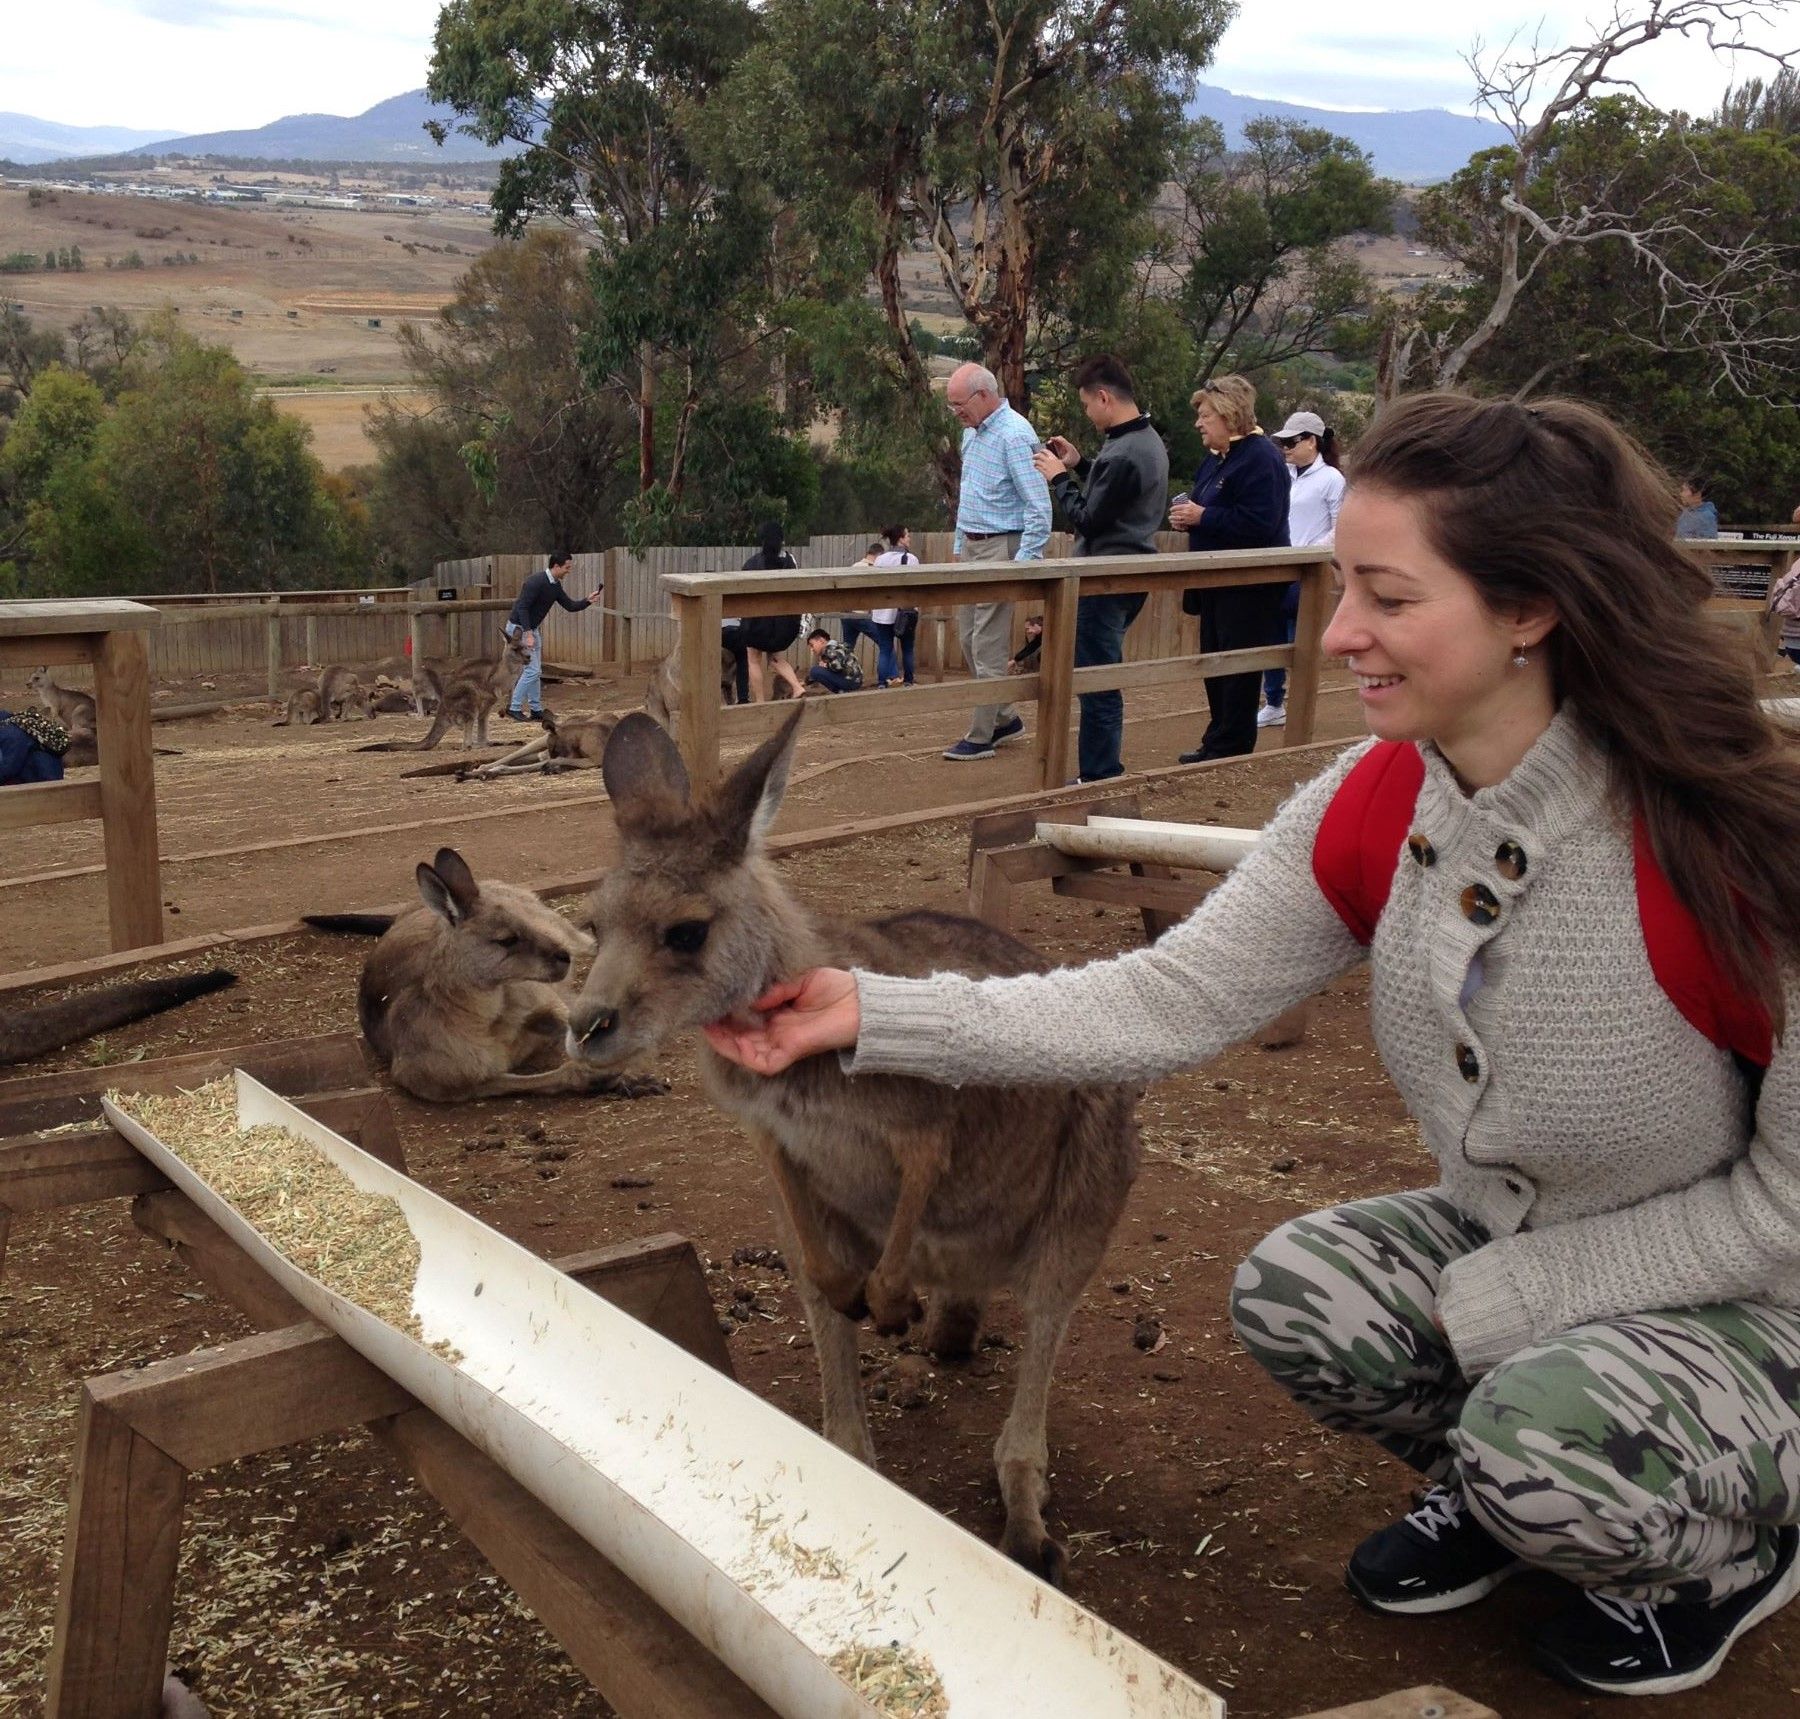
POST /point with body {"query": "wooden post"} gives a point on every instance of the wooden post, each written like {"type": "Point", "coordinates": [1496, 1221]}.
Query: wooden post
{"type": "Point", "coordinates": [697, 720]}
{"type": "Point", "coordinates": [127, 789]}
{"type": "Point", "coordinates": [609, 622]}
{"type": "Point", "coordinates": [272, 627]}
{"type": "Point", "coordinates": [1309, 656]}
{"type": "Point", "coordinates": [415, 633]}
{"type": "Point", "coordinates": [312, 642]}
{"type": "Point", "coordinates": [1056, 697]}
{"type": "Point", "coordinates": [117, 1592]}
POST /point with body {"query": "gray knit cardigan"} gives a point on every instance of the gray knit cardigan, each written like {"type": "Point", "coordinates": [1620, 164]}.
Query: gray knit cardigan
{"type": "Point", "coordinates": [1606, 1146]}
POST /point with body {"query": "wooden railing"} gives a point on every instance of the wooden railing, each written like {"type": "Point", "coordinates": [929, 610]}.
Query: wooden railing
{"type": "Point", "coordinates": [701, 600]}
{"type": "Point", "coordinates": [108, 635]}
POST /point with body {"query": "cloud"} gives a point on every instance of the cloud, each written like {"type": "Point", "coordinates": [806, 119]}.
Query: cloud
{"type": "Point", "coordinates": [216, 14]}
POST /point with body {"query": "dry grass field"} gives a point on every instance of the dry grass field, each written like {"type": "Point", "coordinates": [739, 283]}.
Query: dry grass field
{"type": "Point", "coordinates": [289, 291]}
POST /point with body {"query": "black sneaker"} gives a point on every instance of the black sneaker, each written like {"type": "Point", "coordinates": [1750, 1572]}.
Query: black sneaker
{"type": "Point", "coordinates": [1435, 1558]}
{"type": "Point", "coordinates": [1632, 1647]}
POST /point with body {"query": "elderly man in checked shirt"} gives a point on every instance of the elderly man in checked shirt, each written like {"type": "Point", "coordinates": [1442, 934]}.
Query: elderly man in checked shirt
{"type": "Point", "coordinates": [1003, 514]}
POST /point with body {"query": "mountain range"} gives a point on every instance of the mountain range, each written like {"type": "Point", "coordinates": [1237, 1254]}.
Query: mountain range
{"type": "Point", "coordinates": [1417, 146]}
{"type": "Point", "coordinates": [30, 141]}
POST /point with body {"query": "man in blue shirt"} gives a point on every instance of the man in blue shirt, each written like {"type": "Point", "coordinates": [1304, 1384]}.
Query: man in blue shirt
{"type": "Point", "coordinates": [537, 596]}
{"type": "Point", "coordinates": [1002, 514]}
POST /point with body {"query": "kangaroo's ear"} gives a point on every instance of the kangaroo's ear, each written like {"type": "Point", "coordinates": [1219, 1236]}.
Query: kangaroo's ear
{"type": "Point", "coordinates": [751, 795]}
{"type": "Point", "coordinates": [448, 886]}
{"type": "Point", "coordinates": [643, 772]}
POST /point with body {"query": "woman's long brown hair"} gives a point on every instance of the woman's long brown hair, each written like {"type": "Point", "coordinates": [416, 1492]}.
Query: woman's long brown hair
{"type": "Point", "coordinates": [1554, 501]}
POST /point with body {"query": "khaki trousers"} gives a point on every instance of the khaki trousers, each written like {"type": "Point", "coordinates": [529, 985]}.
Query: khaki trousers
{"type": "Point", "coordinates": [986, 633]}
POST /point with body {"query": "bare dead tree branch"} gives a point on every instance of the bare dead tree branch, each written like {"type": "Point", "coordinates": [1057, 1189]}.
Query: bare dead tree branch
{"type": "Point", "coordinates": [1710, 296]}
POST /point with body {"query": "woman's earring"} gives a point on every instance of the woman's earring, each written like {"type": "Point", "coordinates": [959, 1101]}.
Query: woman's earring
{"type": "Point", "coordinates": [1520, 660]}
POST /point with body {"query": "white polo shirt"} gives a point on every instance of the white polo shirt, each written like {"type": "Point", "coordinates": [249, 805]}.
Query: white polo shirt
{"type": "Point", "coordinates": [1315, 494]}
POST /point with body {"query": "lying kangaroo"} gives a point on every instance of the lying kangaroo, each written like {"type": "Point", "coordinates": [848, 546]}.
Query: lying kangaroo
{"type": "Point", "coordinates": [889, 1184]}
{"type": "Point", "coordinates": [465, 997]}
{"type": "Point", "coordinates": [663, 699]}
{"type": "Point", "coordinates": [304, 707]}
{"type": "Point", "coordinates": [468, 698]}
{"type": "Point", "coordinates": [575, 742]}
{"type": "Point", "coordinates": [34, 1029]}
{"type": "Point", "coordinates": [74, 709]}
{"type": "Point", "coordinates": [342, 695]}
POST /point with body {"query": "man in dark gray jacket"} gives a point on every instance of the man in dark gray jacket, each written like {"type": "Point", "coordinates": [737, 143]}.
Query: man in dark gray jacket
{"type": "Point", "coordinates": [1115, 504]}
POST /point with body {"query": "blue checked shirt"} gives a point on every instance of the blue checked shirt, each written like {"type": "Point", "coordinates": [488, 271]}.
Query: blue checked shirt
{"type": "Point", "coordinates": [1001, 488]}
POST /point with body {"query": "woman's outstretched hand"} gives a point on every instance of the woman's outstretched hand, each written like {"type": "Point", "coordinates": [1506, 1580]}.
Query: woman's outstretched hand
{"type": "Point", "coordinates": [800, 1017]}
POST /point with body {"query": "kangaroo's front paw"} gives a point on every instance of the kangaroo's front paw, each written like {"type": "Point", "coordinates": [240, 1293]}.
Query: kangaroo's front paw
{"type": "Point", "coordinates": [893, 1305]}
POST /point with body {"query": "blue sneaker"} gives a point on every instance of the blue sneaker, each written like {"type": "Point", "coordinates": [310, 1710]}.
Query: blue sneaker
{"type": "Point", "coordinates": [1436, 1558]}
{"type": "Point", "coordinates": [1005, 731]}
{"type": "Point", "coordinates": [964, 750]}
{"type": "Point", "coordinates": [1635, 1647]}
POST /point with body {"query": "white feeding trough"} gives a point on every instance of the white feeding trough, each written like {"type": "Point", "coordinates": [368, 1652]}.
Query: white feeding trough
{"type": "Point", "coordinates": [779, 1552]}
{"type": "Point", "coordinates": [1204, 847]}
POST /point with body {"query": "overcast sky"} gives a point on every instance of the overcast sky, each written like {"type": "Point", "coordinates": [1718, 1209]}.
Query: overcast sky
{"type": "Point", "coordinates": [213, 65]}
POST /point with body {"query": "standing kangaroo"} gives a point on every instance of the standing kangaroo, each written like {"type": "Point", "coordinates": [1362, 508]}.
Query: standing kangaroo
{"type": "Point", "coordinates": [465, 997]}
{"type": "Point", "coordinates": [888, 1184]}
{"type": "Point", "coordinates": [73, 708]}
{"type": "Point", "coordinates": [467, 697]}
{"type": "Point", "coordinates": [663, 699]}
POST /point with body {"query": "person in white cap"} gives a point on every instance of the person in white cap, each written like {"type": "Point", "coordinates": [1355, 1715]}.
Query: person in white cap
{"type": "Point", "coordinates": [1317, 490]}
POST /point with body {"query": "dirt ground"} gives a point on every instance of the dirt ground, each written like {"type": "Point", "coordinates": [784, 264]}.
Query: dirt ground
{"type": "Point", "coordinates": [1205, 1515]}
{"type": "Point", "coordinates": [240, 782]}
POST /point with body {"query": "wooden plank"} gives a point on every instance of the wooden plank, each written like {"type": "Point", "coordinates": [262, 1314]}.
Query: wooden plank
{"type": "Point", "coordinates": [1120, 889]}
{"type": "Point", "coordinates": [44, 1171]}
{"type": "Point", "coordinates": [1056, 697]}
{"type": "Point", "coordinates": [1428, 1701]}
{"type": "Point", "coordinates": [746, 721]}
{"type": "Point", "coordinates": [1316, 604]}
{"type": "Point", "coordinates": [69, 802]}
{"type": "Point", "coordinates": [40, 1172]}
{"type": "Point", "coordinates": [50, 651]}
{"type": "Point", "coordinates": [117, 1589]}
{"type": "Point", "coordinates": [659, 1280]}
{"type": "Point", "coordinates": [279, 1387]}
{"type": "Point", "coordinates": [40, 617]}
{"type": "Point", "coordinates": [326, 1062]}
{"type": "Point", "coordinates": [697, 721]}
{"type": "Point", "coordinates": [214, 1258]}
{"type": "Point", "coordinates": [633, 1653]}
{"type": "Point", "coordinates": [128, 791]}
{"type": "Point", "coordinates": [950, 581]}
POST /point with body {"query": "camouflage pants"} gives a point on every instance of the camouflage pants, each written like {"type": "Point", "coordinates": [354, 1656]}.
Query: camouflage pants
{"type": "Point", "coordinates": [1651, 1456]}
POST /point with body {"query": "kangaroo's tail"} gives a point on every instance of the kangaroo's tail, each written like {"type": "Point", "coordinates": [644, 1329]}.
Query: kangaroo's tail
{"type": "Point", "coordinates": [354, 924]}
{"type": "Point", "coordinates": [27, 1031]}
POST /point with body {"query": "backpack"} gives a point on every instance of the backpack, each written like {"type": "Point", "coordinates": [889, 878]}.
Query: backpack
{"type": "Point", "coordinates": [1357, 852]}
{"type": "Point", "coordinates": [1784, 598]}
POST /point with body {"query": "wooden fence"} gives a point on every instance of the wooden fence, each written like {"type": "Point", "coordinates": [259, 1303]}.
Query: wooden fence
{"type": "Point", "coordinates": [233, 633]}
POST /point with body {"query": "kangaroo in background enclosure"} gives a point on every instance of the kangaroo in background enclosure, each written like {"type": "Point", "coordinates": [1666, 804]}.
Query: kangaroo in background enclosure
{"type": "Point", "coordinates": [576, 741]}
{"type": "Point", "coordinates": [466, 697]}
{"type": "Point", "coordinates": [74, 709]}
{"type": "Point", "coordinates": [663, 699]}
{"type": "Point", "coordinates": [304, 707]}
{"type": "Point", "coordinates": [34, 1029]}
{"type": "Point", "coordinates": [889, 1185]}
{"type": "Point", "coordinates": [342, 695]}
{"type": "Point", "coordinates": [466, 997]}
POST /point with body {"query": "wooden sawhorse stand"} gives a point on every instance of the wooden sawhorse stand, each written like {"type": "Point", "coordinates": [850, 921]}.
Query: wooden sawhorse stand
{"type": "Point", "coordinates": [142, 1432]}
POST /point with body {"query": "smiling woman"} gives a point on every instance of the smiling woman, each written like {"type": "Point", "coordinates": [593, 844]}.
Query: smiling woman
{"type": "Point", "coordinates": [1570, 860]}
